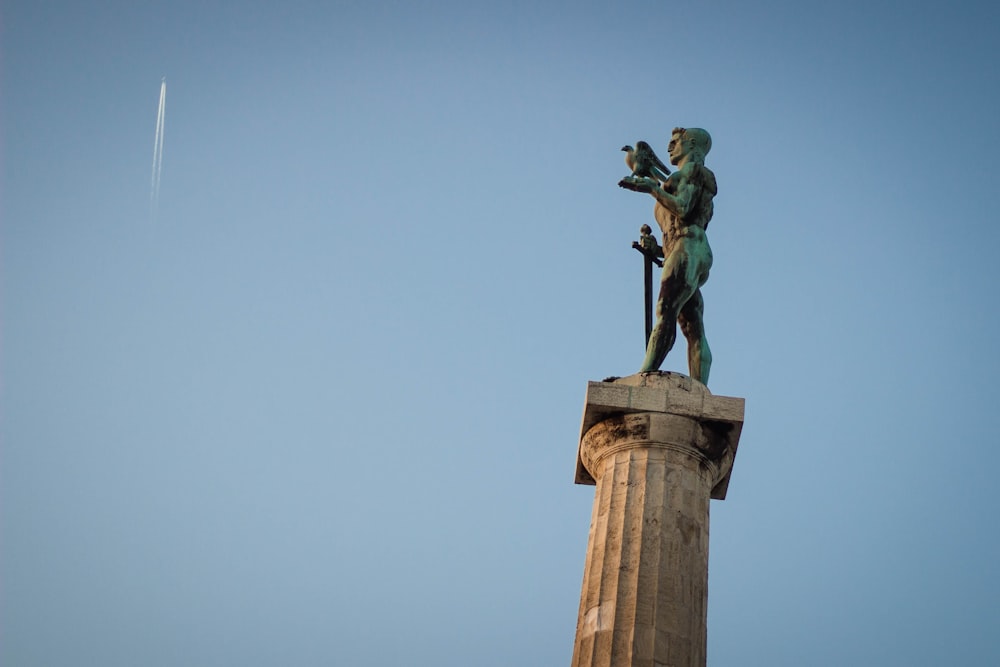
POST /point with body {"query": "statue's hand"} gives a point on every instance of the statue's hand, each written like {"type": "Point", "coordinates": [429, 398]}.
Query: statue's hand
{"type": "Point", "coordinates": [637, 184]}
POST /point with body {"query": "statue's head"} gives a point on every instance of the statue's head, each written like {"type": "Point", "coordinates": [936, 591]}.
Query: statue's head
{"type": "Point", "coordinates": [692, 142]}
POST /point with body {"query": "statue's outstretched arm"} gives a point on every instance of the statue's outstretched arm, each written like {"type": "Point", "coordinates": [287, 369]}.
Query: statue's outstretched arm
{"type": "Point", "coordinates": [638, 183]}
{"type": "Point", "coordinates": [680, 201]}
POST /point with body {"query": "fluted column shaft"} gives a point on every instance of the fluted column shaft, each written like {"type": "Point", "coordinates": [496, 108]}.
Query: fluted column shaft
{"type": "Point", "coordinates": [644, 599]}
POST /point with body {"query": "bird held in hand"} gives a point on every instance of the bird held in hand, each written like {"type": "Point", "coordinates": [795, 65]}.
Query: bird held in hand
{"type": "Point", "coordinates": [644, 163]}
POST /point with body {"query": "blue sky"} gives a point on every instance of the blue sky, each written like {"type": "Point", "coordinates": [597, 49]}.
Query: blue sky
{"type": "Point", "coordinates": [324, 410]}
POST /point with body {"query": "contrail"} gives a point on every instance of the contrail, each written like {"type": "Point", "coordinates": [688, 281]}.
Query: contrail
{"type": "Point", "coordinates": [154, 194]}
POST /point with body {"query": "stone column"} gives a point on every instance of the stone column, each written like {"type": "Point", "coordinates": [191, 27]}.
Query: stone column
{"type": "Point", "coordinates": [657, 446]}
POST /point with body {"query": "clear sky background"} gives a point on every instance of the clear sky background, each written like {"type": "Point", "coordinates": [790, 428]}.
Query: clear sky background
{"type": "Point", "coordinates": [325, 409]}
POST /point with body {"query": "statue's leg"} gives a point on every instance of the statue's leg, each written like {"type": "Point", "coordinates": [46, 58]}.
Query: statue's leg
{"type": "Point", "coordinates": [692, 322]}
{"type": "Point", "coordinates": [661, 339]}
{"type": "Point", "coordinates": [675, 290]}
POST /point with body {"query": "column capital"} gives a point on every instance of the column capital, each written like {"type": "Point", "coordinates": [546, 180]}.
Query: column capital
{"type": "Point", "coordinates": [673, 401]}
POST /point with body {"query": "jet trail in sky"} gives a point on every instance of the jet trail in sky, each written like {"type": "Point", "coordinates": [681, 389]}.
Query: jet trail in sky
{"type": "Point", "coordinates": [154, 195]}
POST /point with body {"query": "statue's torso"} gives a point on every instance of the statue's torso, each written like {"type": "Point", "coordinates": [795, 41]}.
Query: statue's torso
{"type": "Point", "coordinates": [693, 225]}
{"type": "Point", "coordinates": [674, 227]}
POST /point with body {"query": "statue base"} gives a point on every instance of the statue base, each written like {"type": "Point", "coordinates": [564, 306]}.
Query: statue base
{"type": "Point", "coordinates": [657, 446]}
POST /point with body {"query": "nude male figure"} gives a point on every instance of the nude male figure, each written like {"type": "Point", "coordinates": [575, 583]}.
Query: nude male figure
{"type": "Point", "coordinates": [683, 210]}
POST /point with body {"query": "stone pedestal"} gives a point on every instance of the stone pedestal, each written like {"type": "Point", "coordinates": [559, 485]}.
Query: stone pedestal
{"type": "Point", "coordinates": [657, 446]}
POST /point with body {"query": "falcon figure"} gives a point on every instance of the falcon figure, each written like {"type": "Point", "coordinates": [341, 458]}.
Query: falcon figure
{"type": "Point", "coordinates": [644, 163]}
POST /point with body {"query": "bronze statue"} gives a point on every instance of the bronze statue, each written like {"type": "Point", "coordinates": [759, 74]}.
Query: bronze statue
{"type": "Point", "coordinates": [683, 210]}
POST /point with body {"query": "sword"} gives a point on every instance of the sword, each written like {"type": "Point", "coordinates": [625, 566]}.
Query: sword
{"type": "Point", "coordinates": [651, 253]}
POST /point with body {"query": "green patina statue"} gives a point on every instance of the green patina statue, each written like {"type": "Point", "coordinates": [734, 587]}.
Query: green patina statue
{"type": "Point", "coordinates": [683, 210]}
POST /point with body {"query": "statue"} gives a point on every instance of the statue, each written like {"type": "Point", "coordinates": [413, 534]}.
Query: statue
{"type": "Point", "coordinates": [683, 210]}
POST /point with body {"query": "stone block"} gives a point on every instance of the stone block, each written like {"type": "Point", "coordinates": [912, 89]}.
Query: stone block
{"type": "Point", "coordinates": [664, 393]}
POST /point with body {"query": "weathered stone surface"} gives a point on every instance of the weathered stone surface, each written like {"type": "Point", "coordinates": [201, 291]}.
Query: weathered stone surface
{"type": "Point", "coordinates": [656, 446]}
{"type": "Point", "coordinates": [669, 393]}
